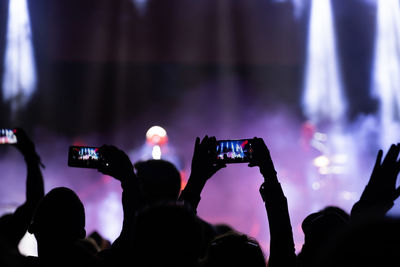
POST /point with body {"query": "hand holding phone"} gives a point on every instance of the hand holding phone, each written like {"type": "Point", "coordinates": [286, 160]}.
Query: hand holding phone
{"type": "Point", "coordinates": [262, 159]}
{"type": "Point", "coordinates": [204, 164]}
{"type": "Point", "coordinates": [116, 163]}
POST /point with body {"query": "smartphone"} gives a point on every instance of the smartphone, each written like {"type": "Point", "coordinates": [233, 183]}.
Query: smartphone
{"type": "Point", "coordinates": [234, 151]}
{"type": "Point", "coordinates": [7, 136]}
{"type": "Point", "coordinates": [84, 157]}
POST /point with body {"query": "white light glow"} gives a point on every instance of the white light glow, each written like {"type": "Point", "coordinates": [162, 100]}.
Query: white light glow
{"type": "Point", "coordinates": [28, 246]}
{"type": "Point", "coordinates": [19, 80]}
{"type": "Point", "coordinates": [347, 195]}
{"type": "Point", "coordinates": [320, 137]}
{"type": "Point", "coordinates": [321, 161]}
{"type": "Point", "coordinates": [316, 186]}
{"type": "Point", "coordinates": [386, 72]}
{"type": "Point", "coordinates": [323, 97]}
{"type": "Point", "coordinates": [156, 153]}
{"type": "Point", "coordinates": [110, 215]}
{"type": "Point", "coordinates": [157, 135]}
{"type": "Point", "coordinates": [156, 130]}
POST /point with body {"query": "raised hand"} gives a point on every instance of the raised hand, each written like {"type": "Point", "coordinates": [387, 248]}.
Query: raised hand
{"type": "Point", "coordinates": [27, 147]}
{"type": "Point", "coordinates": [203, 168]}
{"type": "Point", "coordinates": [116, 163]}
{"type": "Point", "coordinates": [262, 159]}
{"type": "Point", "coordinates": [382, 183]}
{"type": "Point", "coordinates": [203, 164]}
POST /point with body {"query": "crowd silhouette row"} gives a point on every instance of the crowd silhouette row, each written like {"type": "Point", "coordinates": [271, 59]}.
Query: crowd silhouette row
{"type": "Point", "coordinates": [161, 226]}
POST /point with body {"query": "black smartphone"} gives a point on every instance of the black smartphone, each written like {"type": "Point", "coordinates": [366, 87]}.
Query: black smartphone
{"type": "Point", "coordinates": [7, 136]}
{"type": "Point", "coordinates": [234, 151]}
{"type": "Point", "coordinates": [84, 157]}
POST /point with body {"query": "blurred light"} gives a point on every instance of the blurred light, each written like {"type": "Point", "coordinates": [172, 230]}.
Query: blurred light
{"type": "Point", "coordinates": [316, 186]}
{"type": "Point", "coordinates": [322, 98]}
{"type": "Point", "coordinates": [337, 169]}
{"type": "Point", "coordinates": [370, 2]}
{"type": "Point", "coordinates": [157, 135]}
{"type": "Point", "coordinates": [348, 195]}
{"type": "Point", "coordinates": [298, 5]}
{"type": "Point", "coordinates": [156, 153]}
{"type": "Point", "coordinates": [110, 215]}
{"type": "Point", "coordinates": [140, 5]}
{"type": "Point", "coordinates": [19, 80]}
{"type": "Point", "coordinates": [340, 158]}
{"type": "Point", "coordinates": [320, 137]}
{"type": "Point", "coordinates": [324, 170]}
{"type": "Point", "coordinates": [321, 161]}
{"type": "Point", "coordinates": [386, 72]}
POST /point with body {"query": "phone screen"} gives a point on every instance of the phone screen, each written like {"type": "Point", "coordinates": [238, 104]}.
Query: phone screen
{"type": "Point", "coordinates": [234, 151]}
{"type": "Point", "coordinates": [7, 136]}
{"type": "Point", "coordinates": [84, 157]}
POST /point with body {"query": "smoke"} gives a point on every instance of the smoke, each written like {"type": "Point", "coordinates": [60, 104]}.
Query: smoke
{"type": "Point", "coordinates": [231, 196]}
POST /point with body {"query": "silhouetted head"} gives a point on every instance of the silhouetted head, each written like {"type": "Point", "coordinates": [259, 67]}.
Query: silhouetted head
{"type": "Point", "coordinates": [167, 234]}
{"type": "Point", "coordinates": [160, 180]}
{"type": "Point", "coordinates": [320, 231]}
{"type": "Point", "coordinates": [59, 218]}
{"type": "Point", "coordinates": [234, 249]}
{"type": "Point", "coordinates": [319, 226]}
{"type": "Point", "coordinates": [374, 242]}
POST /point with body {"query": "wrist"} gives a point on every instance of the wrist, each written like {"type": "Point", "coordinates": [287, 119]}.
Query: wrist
{"type": "Point", "coordinates": [31, 157]}
{"type": "Point", "coordinates": [195, 184]}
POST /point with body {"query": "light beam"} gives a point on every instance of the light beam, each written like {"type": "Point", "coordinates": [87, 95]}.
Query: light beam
{"type": "Point", "coordinates": [323, 99]}
{"type": "Point", "coordinates": [386, 70]}
{"type": "Point", "coordinates": [19, 79]}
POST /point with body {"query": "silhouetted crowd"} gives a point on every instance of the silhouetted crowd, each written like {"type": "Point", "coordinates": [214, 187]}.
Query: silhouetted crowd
{"type": "Point", "coordinates": [161, 226]}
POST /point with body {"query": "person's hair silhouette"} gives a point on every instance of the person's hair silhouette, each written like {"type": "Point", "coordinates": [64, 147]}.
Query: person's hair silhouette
{"type": "Point", "coordinates": [320, 232]}
{"type": "Point", "coordinates": [59, 228]}
{"type": "Point", "coordinates": [60, 216]}
{"type": "Point", "coordinates": [160, 180]}
{"type": "Point", "coordinates": [234, 249]}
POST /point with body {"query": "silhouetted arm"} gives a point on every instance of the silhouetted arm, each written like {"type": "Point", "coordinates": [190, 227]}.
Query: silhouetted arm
{"type": "Point", "coordinates": [380, 193]}
{"type": "Point", "coordinates": [118, 165]}
{"type": "Point", "coordinates": [34, 188]}
{"type": "Point", "coordinates": [282, 249]}
{"type": "Point", "coordinates": [203, 168]}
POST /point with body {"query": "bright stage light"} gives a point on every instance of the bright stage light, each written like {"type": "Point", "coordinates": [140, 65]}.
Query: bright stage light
{"type": "Point", "coordinates": [19, 79]}
{"type": "Point", "coordinates": [386, 69]}
{"type": "Point", "coordinates": [321, 161]}
{"type": "Point", "coordinates": [323, 99]}
{"type": "Point", "coordinates": [156, 153]}
{"type": "Point", "coordinates": [156, 135]}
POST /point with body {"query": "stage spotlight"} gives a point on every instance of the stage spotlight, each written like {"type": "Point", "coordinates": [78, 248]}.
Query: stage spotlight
{"type": "Point", "coordinates": [323, 99]}
{"type": "Point", "coordinates": [156, 153]}
{"type": "Point", "coordinates": [321, 161]}
{"type": "Point", "coordinates": [156, 135]}
{"type": "Point", "coordinates": [386, 69]}
{"type": "Point", "coordinates": [19, 78]}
